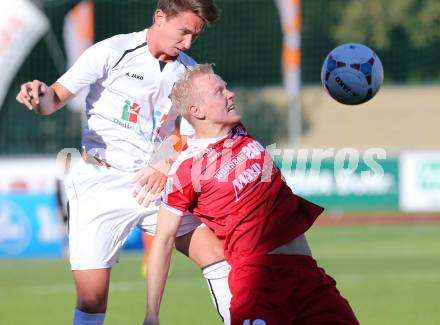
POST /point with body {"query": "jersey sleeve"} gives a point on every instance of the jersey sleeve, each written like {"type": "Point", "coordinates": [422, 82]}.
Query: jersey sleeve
{"type": "Point", "coordinates": [90, 67]}
{"type": "Point", "coordinates": [179, 195]}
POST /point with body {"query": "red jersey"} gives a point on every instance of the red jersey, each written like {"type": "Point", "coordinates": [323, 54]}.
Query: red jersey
{"type": "Point", "coordinates": [234, 187]}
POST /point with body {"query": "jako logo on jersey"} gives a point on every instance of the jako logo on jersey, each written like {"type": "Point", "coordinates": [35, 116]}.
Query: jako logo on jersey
{"type": "Point", "coordinates": [130, 111]}
{"type": "Point", "coordinates": [134, 75]}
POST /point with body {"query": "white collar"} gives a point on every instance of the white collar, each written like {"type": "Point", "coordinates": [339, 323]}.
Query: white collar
{"type": "Point", "coordinates": [203, 143]}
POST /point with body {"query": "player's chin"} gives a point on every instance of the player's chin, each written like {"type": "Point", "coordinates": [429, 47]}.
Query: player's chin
{"type": "Point", "coordinates": [235, 118]}
{"type": "Point", "coordinates": [234, 113]}
{"type": "Point", "coordinates": [173, 53]}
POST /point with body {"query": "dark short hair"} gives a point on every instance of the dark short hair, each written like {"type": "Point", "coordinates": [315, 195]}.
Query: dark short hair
{"type": "Point", "coordinates": [205, 9]}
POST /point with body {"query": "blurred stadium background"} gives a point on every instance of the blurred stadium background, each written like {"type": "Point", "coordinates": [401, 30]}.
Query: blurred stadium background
{"type": "Point", "coordinates": [380, 237]}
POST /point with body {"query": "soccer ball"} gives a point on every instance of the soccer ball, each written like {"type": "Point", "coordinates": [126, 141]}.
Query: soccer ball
{"type": "Point", "coordinates": [352, 73]}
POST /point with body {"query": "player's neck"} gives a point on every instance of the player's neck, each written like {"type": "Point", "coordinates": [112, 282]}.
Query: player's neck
{"type": "Point", "coordinates": [213, 131]}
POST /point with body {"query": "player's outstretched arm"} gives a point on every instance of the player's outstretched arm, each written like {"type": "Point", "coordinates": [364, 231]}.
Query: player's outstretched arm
{"type": "Point", "coordinates": [159, 261]}
{"type": "Point", "coordinates": [41, 99]}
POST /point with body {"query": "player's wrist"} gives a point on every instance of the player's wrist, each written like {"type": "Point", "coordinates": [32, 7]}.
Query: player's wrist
{"type": "Point", "coordinates": [162, 166]}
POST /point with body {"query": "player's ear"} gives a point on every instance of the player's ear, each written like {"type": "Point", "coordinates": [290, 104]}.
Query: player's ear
{"type": "Point", "coordinates": [159, 17]}
{"type": "Point", "coordinates": [196, 111]}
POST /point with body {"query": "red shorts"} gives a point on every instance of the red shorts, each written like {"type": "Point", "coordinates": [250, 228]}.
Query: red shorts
{"type": "Point", "coordinates": [285, 289]}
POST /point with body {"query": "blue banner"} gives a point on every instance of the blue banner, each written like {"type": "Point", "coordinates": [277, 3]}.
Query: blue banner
{"type": "Point", "coordinates": [29, 226]}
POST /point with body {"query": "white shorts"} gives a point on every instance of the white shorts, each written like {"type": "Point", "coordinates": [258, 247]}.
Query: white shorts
{"type": "Point", "coordinates": [103, 212]}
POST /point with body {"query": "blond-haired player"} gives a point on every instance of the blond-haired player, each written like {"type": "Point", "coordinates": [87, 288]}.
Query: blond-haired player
{"type": "Point", "coordinates": [228, 180]}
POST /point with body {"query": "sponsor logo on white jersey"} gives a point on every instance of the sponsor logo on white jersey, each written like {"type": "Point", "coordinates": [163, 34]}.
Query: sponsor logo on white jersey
{"type": "Point", "coordinates": [135, 76]}
{"type": "Point", "coordinates": [129, 116]}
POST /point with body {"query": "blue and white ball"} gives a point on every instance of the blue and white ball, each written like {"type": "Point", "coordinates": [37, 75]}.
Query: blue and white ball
{"type": "Point", "coordinates": [352, 73]}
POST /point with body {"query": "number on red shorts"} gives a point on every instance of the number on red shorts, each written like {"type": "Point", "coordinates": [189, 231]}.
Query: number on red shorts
{"type": "Point", "coordinates": [254, 322]}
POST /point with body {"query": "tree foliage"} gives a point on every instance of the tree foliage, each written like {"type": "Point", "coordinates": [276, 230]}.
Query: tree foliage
{"type": "Point", "coordinates": [374, 21]}
{"type": "Point", "coordinates": [405, 34]}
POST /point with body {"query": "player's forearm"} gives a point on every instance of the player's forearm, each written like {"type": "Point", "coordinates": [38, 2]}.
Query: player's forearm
{"type": "Point", "coordinates": [162, 166]}
{"type": "Point", "coordinates": [158, 267]}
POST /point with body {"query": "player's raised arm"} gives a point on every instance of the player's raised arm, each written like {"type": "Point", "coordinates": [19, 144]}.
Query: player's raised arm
{"type": "Point", "coordinates": [42, 99]}
{"type": "Point", "coordinates": [159, 261]}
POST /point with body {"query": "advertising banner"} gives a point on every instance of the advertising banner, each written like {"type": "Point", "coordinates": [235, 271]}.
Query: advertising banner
{"type": "Point", "coordinates": [360, 184]}
{"type": "Point", "coordinates": [30, 221]}
{"type": "Point", "coordinates": [30, 209]}
{"type": "Point", "coordinates": [29, 226]}
{"type": "Point", "coordinates": [420, 185]}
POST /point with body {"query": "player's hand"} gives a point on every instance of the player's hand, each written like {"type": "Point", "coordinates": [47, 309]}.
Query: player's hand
{"type": "Point", "coordinates": [149, 183]}
{"type": "Point", "coordinates": [31, 92]}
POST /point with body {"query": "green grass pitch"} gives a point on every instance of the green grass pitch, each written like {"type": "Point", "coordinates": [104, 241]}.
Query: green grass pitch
{"type": "Point", "coordinates": [390, 274]}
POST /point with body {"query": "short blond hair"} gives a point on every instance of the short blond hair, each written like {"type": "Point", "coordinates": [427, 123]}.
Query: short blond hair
{"type": "Point", "coordinates": [184, 92]}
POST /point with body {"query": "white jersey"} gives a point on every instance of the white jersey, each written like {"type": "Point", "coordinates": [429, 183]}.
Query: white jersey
{"type": "Point", "coordinates": [128, 105]}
